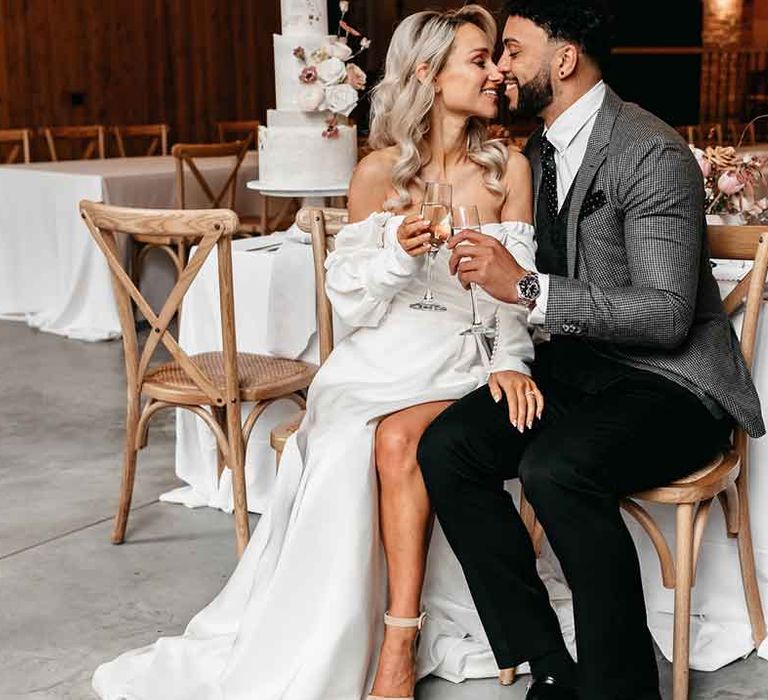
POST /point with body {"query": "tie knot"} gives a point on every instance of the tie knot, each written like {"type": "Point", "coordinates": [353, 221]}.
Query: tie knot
{"type": "Point", "coordinates": [547, 149]}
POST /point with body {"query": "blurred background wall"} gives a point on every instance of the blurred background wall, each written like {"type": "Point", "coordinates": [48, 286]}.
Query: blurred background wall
{"type": "Point", "coordinates": [193, 62]}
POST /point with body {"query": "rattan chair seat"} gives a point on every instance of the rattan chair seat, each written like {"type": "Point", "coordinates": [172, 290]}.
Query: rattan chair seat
{"type": "Point", "coordinates": [261, 377]}
{"type": "Point", "coordinates": [702, 484]}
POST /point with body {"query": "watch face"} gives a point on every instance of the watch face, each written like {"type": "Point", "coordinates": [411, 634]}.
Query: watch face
{"type": "Point", "coordinates": [529, 287]}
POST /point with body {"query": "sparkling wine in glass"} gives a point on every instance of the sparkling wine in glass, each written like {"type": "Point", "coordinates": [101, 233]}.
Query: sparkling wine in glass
{"type": "Point", "coordinates": [436, 209]}
{"type": "Point", "coordinates": [468, 218]}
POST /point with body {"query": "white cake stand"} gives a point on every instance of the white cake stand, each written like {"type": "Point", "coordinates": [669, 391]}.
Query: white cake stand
{"type": "Point", "coordinates": [309, 198]}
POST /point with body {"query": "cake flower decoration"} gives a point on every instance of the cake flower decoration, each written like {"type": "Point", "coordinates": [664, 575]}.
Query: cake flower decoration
{"type": "Point", "coordinates": [329, 69]}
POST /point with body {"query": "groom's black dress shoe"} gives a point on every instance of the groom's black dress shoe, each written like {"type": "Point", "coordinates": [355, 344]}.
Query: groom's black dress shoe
{"type": "Point", "coordinates": [547, 688]}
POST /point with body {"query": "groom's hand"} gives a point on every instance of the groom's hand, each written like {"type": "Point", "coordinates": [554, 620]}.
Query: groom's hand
{"type": "Point", "coordinates": [487, 263]}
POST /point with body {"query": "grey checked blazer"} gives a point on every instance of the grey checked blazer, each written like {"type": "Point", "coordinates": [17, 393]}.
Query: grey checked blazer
{"type": "Point", "coordinates": [639, 284]}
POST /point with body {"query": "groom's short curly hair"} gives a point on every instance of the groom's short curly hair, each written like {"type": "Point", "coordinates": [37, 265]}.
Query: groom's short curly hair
{"type": "Point", "coordinates": [588, 23]}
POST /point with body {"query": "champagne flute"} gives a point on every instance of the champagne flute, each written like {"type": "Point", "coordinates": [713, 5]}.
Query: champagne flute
{"type": "Point", "coordinates": [468, 218]}
{"type": "Point", "coordinates": [436, 209]}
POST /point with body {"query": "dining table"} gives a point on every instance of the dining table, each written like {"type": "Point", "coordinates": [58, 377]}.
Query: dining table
{"type": "Point", "coordinates": [52, 275]}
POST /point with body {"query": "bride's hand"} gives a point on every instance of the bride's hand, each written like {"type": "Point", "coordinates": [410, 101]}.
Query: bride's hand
{"type": "Point", "coordinates": [413, 235]}
{"type": "Point", "coordinates": [524, 399]}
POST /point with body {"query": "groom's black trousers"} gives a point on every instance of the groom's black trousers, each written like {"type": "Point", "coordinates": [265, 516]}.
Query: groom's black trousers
{"type": "Point", "coordinates": [589, 449]}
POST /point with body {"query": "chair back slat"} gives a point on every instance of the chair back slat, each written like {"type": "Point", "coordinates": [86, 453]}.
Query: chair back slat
{"type": "Point", "coordinates": [238, 128]}
{"type": "Point", "coordinates": [322, 225]}
{"type": "Point", "coordinates": [212, 228]}
{"type": "Point", "coordinates": [187, 154]}
{"type": "Point", "coordinates": [19, 140]}
{"type": "Point", "coordinates": [94, 137]}
{"type": "Point", "coordinates": [744, 243]}
{"type": "Point", "coordinates": [157, 133]}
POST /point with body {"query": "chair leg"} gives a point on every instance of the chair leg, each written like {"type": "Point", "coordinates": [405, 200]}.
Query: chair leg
{"type": "Point", "coordinates": [129, 472]}
{"type": "Point", "coordinates": [506, 676]}
{"type": "Point", "coordinates": [684, 566]}
{"type": "Point", "coordinates": [220, 416]}
{"type": "Point", "coordinates": [749, 575]}
{"type": "Point", "coordinates": [531, 523]}
{"type": "Point", "coordinates": [237, 467]}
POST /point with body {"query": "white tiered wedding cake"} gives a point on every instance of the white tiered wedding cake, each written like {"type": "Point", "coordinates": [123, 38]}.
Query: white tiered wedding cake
{"type": "Point", "coordinates": [300, 149]}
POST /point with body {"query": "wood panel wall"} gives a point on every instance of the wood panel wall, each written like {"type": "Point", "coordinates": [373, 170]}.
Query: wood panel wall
{"type": "Point", "coordinates": [185, 62]}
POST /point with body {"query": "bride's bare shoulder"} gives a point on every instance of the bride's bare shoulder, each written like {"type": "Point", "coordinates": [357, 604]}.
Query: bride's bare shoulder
{"type": "Point", "coordinates": [371, 183]}
{"type": "Point", "coordinates": [518, 166]}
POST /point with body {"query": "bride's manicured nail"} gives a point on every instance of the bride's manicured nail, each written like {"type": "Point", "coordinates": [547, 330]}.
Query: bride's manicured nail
{"type": "Point", "coordinates": [496, 397]}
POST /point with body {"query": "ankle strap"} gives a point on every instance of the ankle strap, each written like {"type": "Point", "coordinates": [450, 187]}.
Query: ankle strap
{"type": "Point", "coordinates": [417, 622]}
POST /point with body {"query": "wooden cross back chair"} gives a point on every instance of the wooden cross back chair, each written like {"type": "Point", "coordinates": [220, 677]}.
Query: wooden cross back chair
{"type": "Point", "coordinates": [18, 140]}
{"type": "Point", "coordinates": [187, 155]}
{"type": "Point", "coordinates": [239, 129]}
{"type": "Point", "coordinates": [285, 211]}
{"type": "Point", "coordinates": [211, 385]}
{"type": "Point", "coordinates": [156, 133]}
{"type": "Point", "coordinates": [92, 136]}
{"type": "Point", "coordinates": [725, 477]}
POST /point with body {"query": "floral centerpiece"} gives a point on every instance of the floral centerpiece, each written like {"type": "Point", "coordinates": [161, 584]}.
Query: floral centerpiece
{"type": "Point", "coordinates": [735, 184]}
{"type": "Point", "coordinates": [331, 81]}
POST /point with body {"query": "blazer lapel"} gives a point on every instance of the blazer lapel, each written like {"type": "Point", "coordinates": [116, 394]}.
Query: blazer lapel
{"type": "Point", "coordinates": [597, 150]}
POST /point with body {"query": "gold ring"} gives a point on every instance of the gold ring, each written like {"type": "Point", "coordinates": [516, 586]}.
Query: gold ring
{"type": "Point", "coordinates": [530, 392]}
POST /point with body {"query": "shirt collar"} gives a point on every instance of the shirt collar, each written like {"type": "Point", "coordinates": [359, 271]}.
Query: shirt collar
{"type": "Point", "coordinates": [568, 125]}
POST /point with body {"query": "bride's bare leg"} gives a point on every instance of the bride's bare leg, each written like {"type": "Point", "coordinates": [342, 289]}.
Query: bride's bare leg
{"type": "Point", "coordinates": [405, 518]}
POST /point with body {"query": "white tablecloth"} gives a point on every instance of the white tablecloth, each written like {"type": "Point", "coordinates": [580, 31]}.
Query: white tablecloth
{"type": "Point", "coordinates": [720, 628]}
{"type": "Point", "coordinates": [51, 273]}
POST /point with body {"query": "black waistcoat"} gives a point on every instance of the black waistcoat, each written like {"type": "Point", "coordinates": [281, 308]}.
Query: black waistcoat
{"type": "Point", "coordinates": [574, 361]}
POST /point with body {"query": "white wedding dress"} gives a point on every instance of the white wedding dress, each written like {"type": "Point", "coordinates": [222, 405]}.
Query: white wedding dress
{"type": "Point", "coordinates": [301, 617]}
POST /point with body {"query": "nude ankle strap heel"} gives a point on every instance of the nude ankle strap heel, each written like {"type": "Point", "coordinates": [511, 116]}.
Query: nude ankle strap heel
{"type": "Point", "coordinates": [403, 622]}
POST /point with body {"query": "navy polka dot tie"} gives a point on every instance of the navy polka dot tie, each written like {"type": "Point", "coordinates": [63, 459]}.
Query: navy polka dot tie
{"type": "Point", "coordinates": [548, 194]}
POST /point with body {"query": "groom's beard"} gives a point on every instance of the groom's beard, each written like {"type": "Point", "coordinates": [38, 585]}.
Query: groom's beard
{"type": "Point", "coordinates": [534, 96]}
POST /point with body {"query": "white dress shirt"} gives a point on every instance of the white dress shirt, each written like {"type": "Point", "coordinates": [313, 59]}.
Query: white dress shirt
{"type": "Point", "coordinates": [569, 134]}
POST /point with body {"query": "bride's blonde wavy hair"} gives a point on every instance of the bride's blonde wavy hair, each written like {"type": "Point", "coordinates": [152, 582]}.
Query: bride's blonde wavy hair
{"type": "Point", "coordinates": [401, 103]}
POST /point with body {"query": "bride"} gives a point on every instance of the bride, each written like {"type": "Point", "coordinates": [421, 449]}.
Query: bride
{"type": "Point", "coordinates": [301, 617]}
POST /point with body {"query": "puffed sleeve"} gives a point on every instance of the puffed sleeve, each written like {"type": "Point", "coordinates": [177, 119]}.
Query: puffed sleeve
{"type": "Point", "coordinates": [367, 270]}
{"type": "Point", "coordinates": [513, 345]}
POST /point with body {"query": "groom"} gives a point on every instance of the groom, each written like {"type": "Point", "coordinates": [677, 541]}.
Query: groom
{"type": "Point", "coordinates": [643, 379]}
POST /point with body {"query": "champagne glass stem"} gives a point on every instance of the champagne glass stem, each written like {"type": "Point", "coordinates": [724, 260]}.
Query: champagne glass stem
{"type": "Point", "coordinates": [428, 292]}
{"type": "Point", "coordinates": [475, 315]}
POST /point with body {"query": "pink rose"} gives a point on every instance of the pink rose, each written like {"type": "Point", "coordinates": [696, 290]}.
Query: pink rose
{"type": "Point", "coordinates": [356, 77]}
{"type": "Point", "coordinates": [729, 183]}
{"type": "Point", "coordinates": [701, 159]}
{"type": "Point", "coordinates": [308, 75]}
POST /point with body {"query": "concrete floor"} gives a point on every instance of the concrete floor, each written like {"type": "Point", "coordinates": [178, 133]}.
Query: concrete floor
{"type": "Point", "coordinates": [70, 600]}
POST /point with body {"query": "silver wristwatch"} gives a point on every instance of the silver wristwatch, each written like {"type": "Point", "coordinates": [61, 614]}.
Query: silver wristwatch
{"type": "Point", "coordinates": [528, 289]}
